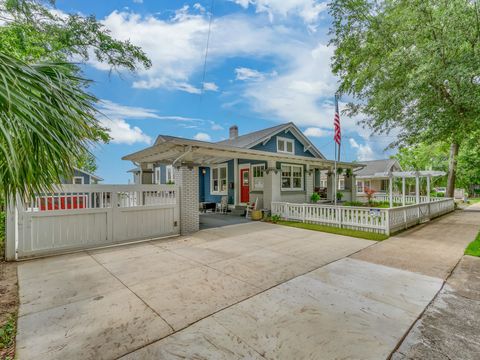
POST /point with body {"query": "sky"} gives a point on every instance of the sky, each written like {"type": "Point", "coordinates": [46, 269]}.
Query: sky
{"type": "Point", "coordinates": [268, 63]}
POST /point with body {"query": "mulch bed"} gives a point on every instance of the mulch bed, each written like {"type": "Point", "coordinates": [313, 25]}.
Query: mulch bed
{"type": "Point", "coordinates": [8, 308]}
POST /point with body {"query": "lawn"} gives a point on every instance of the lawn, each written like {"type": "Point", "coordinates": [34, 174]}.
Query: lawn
{"type": "Point", "coordinates": [334, 230]}
{"type": "Point", "coordinates": [473, 248]}
{"type": "Point", "coordinates": [473, 201]}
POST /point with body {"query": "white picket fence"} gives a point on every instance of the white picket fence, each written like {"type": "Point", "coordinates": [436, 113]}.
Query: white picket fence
{"type": "Point", "coordinates": [85, 216]}
{"type": "Point", "coordinates": [378, 220]}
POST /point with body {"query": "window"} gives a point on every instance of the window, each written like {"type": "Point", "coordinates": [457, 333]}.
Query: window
{"type": "Point", "coordinates": [285, 145]}
{"type": "Point", "coordinates": [257, 174]}
{"type": "Point", "coordinates": [292, 177]}
{"type": "Point", "coordinates": [384, 185]}
{"type": "Point", "coordinates": [218, 180]}
{"type": "Point", "coordinates": [362, 185]}
{"type": "Point", "coordinates": [341, 184]}
{"type": "Point", "coordinates": [169, 176]}
{"type": "Point", "coordinates": [78, 180]}
{"type": "Point", "coordinates": [323, 183]}
{"type": "Point", "coordinates": [157, 175]}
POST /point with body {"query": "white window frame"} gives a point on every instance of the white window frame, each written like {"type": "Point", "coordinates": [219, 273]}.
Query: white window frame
{"type": "Point", "coordinates": [169, 174]}
{"type": "Point", "coordinates": [157, 175]}
{"type": "Point", "coordinates": [361, 190]}
{"type": "Point", "coordinates": [254, 185]}
{"type": "Point", "coordinates": [219, 192]}
{"type": "Point", "coordinates": [291, 188]}
{"type": "Point", "coordinates": [285, 141]}
{"type": "Point", "coordinates": [341, 184]}
{"type": "Point", "coordinates": [323, 183]}
{"type": "Point", "coordinates": [78, 177]}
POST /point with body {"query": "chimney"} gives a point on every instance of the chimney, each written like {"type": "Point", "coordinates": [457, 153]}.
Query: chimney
{"type": "Point", "coordinates": [233, 132]}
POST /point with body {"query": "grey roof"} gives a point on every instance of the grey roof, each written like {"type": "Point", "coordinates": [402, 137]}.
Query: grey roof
{"type": "Point", "coordinates": [377, 166]}
{"type": "Point", "coordinates": [251, 139]}
{"type": "Point", "coordinates": [89, 174]}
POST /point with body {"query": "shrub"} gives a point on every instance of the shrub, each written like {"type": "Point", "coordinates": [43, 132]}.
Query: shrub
{"type": "Point", "coordinates": [339, 195]}
{"type": "Point", "coordinates": [275, 218]}
{"type": "Point", "coordinates": [369, 192]}
{"type": "Point", "coordinates": [315, 197]}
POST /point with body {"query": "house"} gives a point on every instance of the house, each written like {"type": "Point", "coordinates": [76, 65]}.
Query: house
{"type": "Point", "coordinates": [82, 177]}
{"type": "Point", "coordinates": [159, 174]}
{"type": "Point", "coordinates": [275, 164]}
{"type": "Point", "coordinates": [375, 175]}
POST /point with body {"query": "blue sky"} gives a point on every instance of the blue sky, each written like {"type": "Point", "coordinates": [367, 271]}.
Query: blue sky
{"type": "Point", "coordinates": [268, 63]}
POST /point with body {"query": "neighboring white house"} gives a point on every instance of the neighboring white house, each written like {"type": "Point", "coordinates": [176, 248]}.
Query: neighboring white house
{"type": "Point", "coordinates": [366, 177]}
{"type": "Point", "coordinates": [82, 177]}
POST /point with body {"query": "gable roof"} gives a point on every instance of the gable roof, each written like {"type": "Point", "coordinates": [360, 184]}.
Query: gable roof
{"type": "Point", "coordinates": [88, 174]}
{"type": "Point", "coordinates": [254, 138]}
{"type": "Point", "coordinates": [377, 166]}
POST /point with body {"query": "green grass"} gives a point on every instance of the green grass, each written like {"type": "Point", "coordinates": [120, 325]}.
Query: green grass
{"type": "Point", "coordinates": [473, 200]}
{"type": "Point", "coordinates": [7, 334]}
{"type": "Point", "coordinates": [473, 248]}
{"type": "Point", "coordinates": [334, 230]}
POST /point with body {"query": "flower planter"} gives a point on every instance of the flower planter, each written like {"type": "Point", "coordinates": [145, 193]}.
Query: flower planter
{"type": "Point", "coordinates": [257, 215]}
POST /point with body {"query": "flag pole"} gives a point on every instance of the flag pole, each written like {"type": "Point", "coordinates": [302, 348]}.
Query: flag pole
{"type": "Point", "coordinates": [335, 176]}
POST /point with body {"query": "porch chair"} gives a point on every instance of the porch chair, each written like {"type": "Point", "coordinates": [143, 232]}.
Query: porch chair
{"type": "Point", "coordinates": [222, 206]}
{"type": "Point", "coordinates": [251, 207]}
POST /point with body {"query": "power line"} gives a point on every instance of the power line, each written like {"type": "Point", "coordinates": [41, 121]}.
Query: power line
{"type": "Point", "coordinates": [202, 89]}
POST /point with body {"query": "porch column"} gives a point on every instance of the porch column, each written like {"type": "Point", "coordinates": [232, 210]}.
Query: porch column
{"type": "Point", "coordinates": [271, 185]}
{"type": "Point", "coordinates": [309, 183]}
{"type": "Point", "coordinates": [390, 190]}
{"type": "Point", "coordinates": [351, 185]}
{"type": "Point", "coordinates": [186, 178]}
{"type": "Point", "coordinates": [417, 189]}
{"type": "Point", "coordinates": [331, 191]}
{"type": "Point", "coordinates": [428, 188]}
{"type": "Point", "coordinates": [403, 191]}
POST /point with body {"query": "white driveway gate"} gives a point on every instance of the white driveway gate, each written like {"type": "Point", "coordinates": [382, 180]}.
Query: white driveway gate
{"type": "Point", "coordinates": [86, 216]}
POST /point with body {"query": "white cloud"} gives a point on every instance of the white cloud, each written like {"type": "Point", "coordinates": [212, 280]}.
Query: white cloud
{"type": "Point", "coordinates": [215, 126]}
{"type": "Point", "coordinates": [317, 132]}
{"type": "Point", "coordinates": [243, 73]}
{"type": "Point", "coordinates": [138, 1]}
{"type": "Point", "coordinates": [210, 86]}
{"type": "Point", "coordinates": [123, 133]}
{"type": "Point", "coordinates": [364, 152]}
{"type": "Point", "coordinates": [308, 10]}
{"type": "Point", "coordinates": [202, 137]}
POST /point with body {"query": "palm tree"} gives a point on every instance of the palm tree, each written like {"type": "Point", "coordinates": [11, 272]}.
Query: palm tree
{"type": "Point", "coordinates": [46, 121]}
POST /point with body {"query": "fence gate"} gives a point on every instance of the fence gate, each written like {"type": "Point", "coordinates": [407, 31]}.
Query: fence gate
{"type": "Point", "coordinates": [86, 216]}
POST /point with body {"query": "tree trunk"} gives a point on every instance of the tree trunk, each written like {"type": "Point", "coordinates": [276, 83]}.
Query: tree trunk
{"type": "Point", "coordinates": [452, 169]}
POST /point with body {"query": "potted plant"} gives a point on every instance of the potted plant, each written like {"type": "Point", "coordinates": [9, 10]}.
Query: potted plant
{"type": "Point", "coordinates": [339, 195]}
{"type": "Point", "coordinates": [348, 172]}
{"type": "Point", "coordinates": [256, 215]}
{"type": "Point", "coordinates": [315, 198]}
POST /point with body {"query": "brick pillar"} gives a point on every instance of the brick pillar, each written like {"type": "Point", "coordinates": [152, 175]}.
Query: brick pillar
{"type": "Point", "coordinates": [330, 185]}
{"type": "Point", "coordinates": [187, 179]}
{"type": "Point", "coordinates": [309, 184]}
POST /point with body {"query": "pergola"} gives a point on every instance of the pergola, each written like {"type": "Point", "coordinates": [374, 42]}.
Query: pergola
{"type": "Point", "coordinates": [428, 174]}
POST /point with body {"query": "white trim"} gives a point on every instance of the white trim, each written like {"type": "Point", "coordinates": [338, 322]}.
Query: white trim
{"type": "Point", "coordinates": [291, 188]}
{"type": "Point", "coordinates": [169, 179]}
{"type": "Point", "coordinates": [286, 141]}
{"type": "Point", "coordinates": [252, 171]}
{"type": "Point", "coordinates": [78, 177]}
{"type": "Point", "coordinates": [219, 167]}
{"type": "Point", "coordinates": [156, 174]}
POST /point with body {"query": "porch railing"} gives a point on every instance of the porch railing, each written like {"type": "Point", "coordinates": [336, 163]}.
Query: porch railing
{"type": "Point", "coordinates": [377, 220]}
{"type": "Point", "coordinates": [409, 199]}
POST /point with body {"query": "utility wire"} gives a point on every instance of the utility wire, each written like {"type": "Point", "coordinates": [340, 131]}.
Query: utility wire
{"type": "Point", "coordinates": [212, 8]}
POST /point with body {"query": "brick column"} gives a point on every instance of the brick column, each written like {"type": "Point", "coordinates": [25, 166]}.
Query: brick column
{"type": "Point", "coordinates": [330, 185]}
{"type": "Point", "coordinates": [187, 179]}
{"type": "Point", "coordinates": [271, 185]}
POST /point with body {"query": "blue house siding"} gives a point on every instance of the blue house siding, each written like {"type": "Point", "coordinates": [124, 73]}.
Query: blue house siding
{"type": "Point", "coordinates": [204, 184]}
{"type": "Point", "coordinates": [271, 145]}
{"type": "Point", "coordinates": [86, 177]}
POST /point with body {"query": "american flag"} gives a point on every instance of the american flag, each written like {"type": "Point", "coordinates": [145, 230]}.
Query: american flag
{"type": "Point", "coordinates": [336, 123]}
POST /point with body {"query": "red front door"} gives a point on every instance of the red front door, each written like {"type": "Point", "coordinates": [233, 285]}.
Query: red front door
{"type": "Point", "coordinates": [244, 185]}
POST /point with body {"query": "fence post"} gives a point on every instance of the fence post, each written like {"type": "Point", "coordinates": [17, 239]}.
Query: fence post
{"type": "Point", "coordinates": [405, 218]}
{"type": "Point", "coordinates": [11, 223]}
{"type": "Point", "coordinates": [304, 215]}
{"type": "Point", "coordinates": [112, 212]}
{"type": "Point", "coordinates": [387, 222]}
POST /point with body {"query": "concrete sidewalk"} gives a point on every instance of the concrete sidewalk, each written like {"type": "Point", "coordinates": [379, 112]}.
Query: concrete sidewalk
{"type": "Point", "coordinates": [433, 248]}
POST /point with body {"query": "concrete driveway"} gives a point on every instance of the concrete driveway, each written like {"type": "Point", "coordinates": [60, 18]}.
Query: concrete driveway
{"type": "Point", "coordinates": [253, 291]}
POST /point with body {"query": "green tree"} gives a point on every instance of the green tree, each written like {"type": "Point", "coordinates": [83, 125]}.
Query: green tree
{"type": "Point", "coordinates": [411, 66]}
{"type": "Point", "coordinates": [47, 119]}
